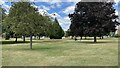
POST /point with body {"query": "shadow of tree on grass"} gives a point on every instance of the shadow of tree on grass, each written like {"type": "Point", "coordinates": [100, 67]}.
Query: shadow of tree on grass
{"type": "Point", "coordinates": [92, 42]}
{"type": "Point", "coordinates": [13, 42]}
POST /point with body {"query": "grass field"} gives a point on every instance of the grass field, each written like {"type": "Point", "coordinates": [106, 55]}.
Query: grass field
{"type": "Point", "coordinates": [64, 52]}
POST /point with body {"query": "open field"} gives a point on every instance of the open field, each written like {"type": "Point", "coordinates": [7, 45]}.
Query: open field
{"type": "Point", "coordinates": [64, 52]}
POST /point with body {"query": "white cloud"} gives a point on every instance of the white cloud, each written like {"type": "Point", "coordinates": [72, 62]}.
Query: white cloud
{"type": "Point", "coordinates": [52, 6]}
{"type": "Point", "coordinates": [58, 4]}
{"type": "Point", "coordinates": [2, 2]}
{"type": "Point", "coordinates": [55, 5]}
{"type": "Point", "coordinates": [43, 12]}
{"type": "Point", "coordinates": [5, 6]}
{"type": "Point", "coordinates": [34, 6]}
{"type": "Point", "coordinates": [64, 22]}
{"type": "Point", "coordinates": [54, 1]}
{"type": "Point", "coordinates": [69, 9]}
{"type": "Point", "coordinates": [73, 1]}
{"type": "Point", "coordinates": [116, 12]}
{"type": "Point", "coordinates": [45, 8]}
{"type": "Point", "coordinates": [42, 9]}
{"type": "Point", "coordinates": [116, 1]}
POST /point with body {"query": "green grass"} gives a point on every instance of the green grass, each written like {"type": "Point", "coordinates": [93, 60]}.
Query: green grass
{"type": "Point", "coordinates": [64, 52]}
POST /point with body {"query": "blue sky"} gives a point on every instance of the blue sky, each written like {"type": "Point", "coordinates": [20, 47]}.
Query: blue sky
{"type": "Point", "coordinates": [60, 8]}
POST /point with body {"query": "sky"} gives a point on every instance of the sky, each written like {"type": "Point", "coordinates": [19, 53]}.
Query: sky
{"type": "Point", "coordinates": [61, 9]}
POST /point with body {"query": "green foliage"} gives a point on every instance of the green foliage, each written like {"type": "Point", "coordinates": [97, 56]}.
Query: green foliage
{"type": "Point", "coordinates": [56, 32]}
{"type": "Point", "coordinates": [2, 13]}
{"type": "Point", "coordinates": [23, 19]}
{"type": "Point", "coordinates": [93, 19]}
{"type": "Point", "coordinates": [22, 15]}
{"type": "Point", "coordinates": [2, 16]}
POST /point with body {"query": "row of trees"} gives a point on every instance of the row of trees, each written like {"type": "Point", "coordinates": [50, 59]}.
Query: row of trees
{"type": "Point", "coordinates": [93, 19]}
{"type": "Point", "coordinates": [25, 20]}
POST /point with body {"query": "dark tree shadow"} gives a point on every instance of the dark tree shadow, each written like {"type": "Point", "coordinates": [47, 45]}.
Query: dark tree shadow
{"type": "Point", "coordinates": [13, 42]}
{"type": "Point", "coordinates": [87, 39]}
{"type": "Point", "coordinates": [43, 48]}
{"type": "Point", "coordinates": [45, 41]}
{"type": "Point", "coordinates": [92, 42]}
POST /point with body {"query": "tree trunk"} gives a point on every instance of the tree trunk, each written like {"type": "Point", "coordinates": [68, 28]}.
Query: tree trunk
{"type": "Point", "coordinates": [75, 38]}
{"type": "Point", "coordinates": [85, 37]}
{"type": "Point", "coordinates": [81, 38]}
{"type": "Point", "coordinates": [23, 38]}
{"type": "Point", "coordinates": [95, 39]}
{"type": "Point", "coordinates": [30, 41]}
{"type": "Point", "coordinates": [39, 37]}
{"type": "Point", "coordinates": [102, 37]}
{"type": "Point", "coordinates": [72, 37]}
{"type": "Point", "coordinates": [35, 37]}
{"type": "Point", "coordinates": [15, 39]}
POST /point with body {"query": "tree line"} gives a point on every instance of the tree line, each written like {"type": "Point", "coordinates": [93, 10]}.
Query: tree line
{"type": "Point", "coordinates": [92, 19]}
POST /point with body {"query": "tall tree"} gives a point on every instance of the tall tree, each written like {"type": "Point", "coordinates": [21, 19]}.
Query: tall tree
{"type": "Point", "coordinates": [42, 26]}
{"type": "Point", "coordinates": [93, 19]}
{"type": "Point", "coordinates": [25, 20]}
{"type": "Point", "coordinates": [56, 31]}
{"type": "Point", "coordinates": [18, 13]}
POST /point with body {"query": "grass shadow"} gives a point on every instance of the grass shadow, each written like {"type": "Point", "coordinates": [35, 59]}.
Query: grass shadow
{"type": "Point", "coordinates": [13, 42]}
{"type": "Point", "coordinates": [91, 42]}
{"type": "Point", "coordinates": [35, 41]}
{"type": "Point", "coordinates": [43, 48]}
{"type": "Point", "coordinates": [45, 41]}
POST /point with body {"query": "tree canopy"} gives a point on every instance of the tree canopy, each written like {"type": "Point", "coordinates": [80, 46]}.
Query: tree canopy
{"type": "Point", "coordinates": [93, 19]}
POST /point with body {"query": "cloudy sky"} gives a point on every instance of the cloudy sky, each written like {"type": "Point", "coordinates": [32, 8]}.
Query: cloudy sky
{"type": "Point", "coordinates": [61, 8]}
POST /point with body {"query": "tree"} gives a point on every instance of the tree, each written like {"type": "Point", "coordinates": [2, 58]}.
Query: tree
{"type": "Point", "coordinates": [93, 19]}
{"type": "Point", "coordinates": [5, 31]}
{"type": "Point", "coordinates": [25, 20]}
{"type": "Point", "coordinates": [44, 22]}
{"type": "Point", "coordinates": [6, 28]}
{"type": "Point", "coordinates": [56, 32]}
{"type": "Point", "coordinates": [17, 15]}
{"type": "Point", "coordinates": [2, 13]}
{"type": "Point", "coordinates": [2, 16]}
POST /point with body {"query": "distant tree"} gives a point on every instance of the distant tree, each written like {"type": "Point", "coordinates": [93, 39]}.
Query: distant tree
{"type": "Point", "coordinates": [93, 19]}
{"type": "Point", "coordinates": [56, 31]}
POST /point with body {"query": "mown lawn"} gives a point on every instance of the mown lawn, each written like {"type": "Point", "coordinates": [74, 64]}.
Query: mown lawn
{"type": "Point", "coordinates": [64, 52]}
